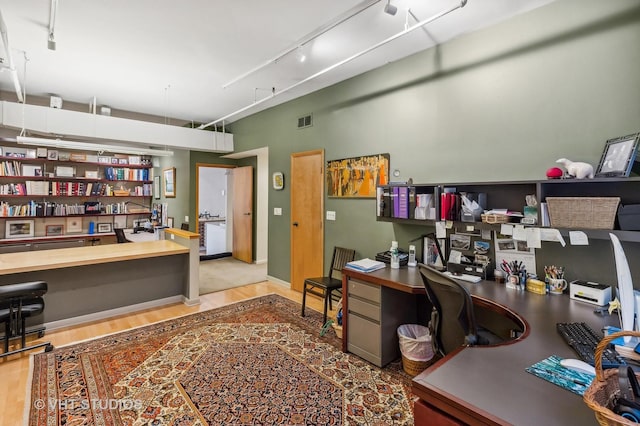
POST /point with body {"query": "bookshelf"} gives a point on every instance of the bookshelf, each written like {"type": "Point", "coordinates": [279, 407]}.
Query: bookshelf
{"type": "Point", "coordinates": [72, 193]}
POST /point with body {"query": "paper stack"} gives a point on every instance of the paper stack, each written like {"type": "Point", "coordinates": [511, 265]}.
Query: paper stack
{"type": "Point", "coordinates": [365, 265]}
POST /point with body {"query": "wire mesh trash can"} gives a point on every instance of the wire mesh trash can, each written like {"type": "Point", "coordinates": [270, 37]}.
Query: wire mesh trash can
{"type": "Point", "coordinates": [415, 347]}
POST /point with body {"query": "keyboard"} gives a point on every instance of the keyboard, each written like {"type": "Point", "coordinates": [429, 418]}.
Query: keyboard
{"type": "Point", "coordinates": [583, 339]}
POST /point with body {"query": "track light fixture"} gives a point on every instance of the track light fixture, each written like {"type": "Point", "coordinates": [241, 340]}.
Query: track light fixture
{"type": "Point", "coordinates": [390, 9]}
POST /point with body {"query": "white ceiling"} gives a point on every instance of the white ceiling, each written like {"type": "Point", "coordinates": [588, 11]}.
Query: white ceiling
{"type": "Point", "coordinates": [171, 58]}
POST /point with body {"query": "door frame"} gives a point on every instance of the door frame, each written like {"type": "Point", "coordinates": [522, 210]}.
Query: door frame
{"type": "Point", "coordinates": [261, 211]}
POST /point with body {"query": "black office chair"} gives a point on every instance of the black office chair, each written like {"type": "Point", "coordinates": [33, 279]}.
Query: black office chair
{"type": "Point", "coordinates": [325, 286]}
{"type": "Point", "coordinates": [17, 303]}
{"type": "Point", "coordinates": [120, 237]}
{"type": "Point", "coordinates": [453, 322]}
{"type": "Point", "coordinates": [184, 226]}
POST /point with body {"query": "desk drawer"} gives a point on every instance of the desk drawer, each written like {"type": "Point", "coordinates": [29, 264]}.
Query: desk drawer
{"type": "Point", "coordinates": [364, 308]}
{"type": "Point", "coordinates": [364, 291]}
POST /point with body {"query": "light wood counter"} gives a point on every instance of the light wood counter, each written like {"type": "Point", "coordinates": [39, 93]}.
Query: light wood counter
{"type": "Point", "coordinates": [90, 283]}
{"type": "Point", "coordinates": [13, 263]}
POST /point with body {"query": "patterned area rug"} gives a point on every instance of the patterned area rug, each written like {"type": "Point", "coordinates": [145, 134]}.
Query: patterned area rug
{"type": "Point", "coordinates": [253, 362]}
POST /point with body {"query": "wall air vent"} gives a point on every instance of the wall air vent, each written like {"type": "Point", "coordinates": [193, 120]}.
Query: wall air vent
{"type": "Point", "coordinates": [304, 121]}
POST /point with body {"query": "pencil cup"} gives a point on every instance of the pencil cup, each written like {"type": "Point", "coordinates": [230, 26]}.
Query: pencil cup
{"type": "Point", "coordinates": [557, 285]}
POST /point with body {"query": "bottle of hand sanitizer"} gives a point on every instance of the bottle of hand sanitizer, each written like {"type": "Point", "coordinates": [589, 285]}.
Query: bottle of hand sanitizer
{"type": "Point", "coordinates": [395, 258]}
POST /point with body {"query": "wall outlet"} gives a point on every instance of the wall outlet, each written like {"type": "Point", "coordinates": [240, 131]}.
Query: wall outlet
{"type": "Point", "coordinates": [277, 211]}
{"type": "Point", "coordinates": [173, 237]}
{"type": "Point", "coordinates": [331, 215]}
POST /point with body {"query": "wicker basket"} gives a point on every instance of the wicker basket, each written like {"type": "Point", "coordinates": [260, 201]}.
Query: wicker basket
{"type": "Point", "coordinates": [495, 218]}
{"type": "Point", "coordinates": [583, 212]}
{"type": "Point", "coordinates": [338, 329]}
{"type": "Point", "coordinates": [604, 389]}
{"type": "Point", "coordinates": [413, 367]}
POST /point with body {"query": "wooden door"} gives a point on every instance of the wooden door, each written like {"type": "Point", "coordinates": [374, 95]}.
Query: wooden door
{"type": "Point", "coordinates": [242, 178]}
{"type": "Point", "coordinates": [307, 220]}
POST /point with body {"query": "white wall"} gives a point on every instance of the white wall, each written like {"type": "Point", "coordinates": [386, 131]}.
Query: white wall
{"type": "Point", "coordinates": [212, 191]}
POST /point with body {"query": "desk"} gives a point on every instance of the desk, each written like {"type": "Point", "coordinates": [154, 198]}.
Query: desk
{"type": "Point", "coordinates": [489, 385]}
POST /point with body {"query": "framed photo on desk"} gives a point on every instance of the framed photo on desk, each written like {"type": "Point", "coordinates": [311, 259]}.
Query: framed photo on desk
{"type": "Point", "coordinates": [618, 156]}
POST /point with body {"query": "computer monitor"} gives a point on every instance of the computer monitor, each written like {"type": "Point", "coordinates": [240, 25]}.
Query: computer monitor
{"type": "Point", "coordinates": [625, 286]}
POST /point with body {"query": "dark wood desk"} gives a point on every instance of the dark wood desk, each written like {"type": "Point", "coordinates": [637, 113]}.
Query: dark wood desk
{"type": "Point", "coordinates": [489, 385]}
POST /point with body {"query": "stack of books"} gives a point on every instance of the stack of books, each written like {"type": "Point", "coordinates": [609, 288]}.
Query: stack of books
{"type": "Point", "coordinates": [365, 265]}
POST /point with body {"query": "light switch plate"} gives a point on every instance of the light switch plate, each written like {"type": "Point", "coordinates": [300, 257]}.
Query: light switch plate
{"type": "Point", "coordinates": [331, 215]}
{"type": "Point", "coordinates": [277, 211]}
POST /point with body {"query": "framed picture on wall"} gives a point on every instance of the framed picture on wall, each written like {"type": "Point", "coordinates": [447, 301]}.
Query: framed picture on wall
{"type": "Point", "coordinates": [169, 182]}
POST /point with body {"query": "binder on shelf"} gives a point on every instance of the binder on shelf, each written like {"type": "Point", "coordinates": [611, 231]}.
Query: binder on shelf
{"type": "Point", "coordinates": [388, 201]}
{"type": "Point", "coordinates": [403, 202]}
{"type": "Point", "coordinates": [412, 202]}
{"type": "Point", "coordinates": [396, 201]}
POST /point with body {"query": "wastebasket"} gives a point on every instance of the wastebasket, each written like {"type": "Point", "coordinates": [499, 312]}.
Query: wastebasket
{"type": "Point", "coordinates": [415, 347]}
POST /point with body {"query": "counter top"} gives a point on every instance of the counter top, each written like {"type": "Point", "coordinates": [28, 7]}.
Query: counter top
{"type": "Point", "coordinates": [11, 263]}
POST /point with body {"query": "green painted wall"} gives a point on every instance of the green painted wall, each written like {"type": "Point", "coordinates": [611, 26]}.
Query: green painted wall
{"type": "Point", "coordinates": [500, 104]}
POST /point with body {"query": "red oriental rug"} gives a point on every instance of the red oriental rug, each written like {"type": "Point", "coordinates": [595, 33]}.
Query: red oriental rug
{"type": "Point", "coordinates": [256, 362]}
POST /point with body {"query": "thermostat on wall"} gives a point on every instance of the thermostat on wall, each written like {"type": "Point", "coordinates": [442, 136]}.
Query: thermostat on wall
{"type": "Point", "coordinates": [55, 102]}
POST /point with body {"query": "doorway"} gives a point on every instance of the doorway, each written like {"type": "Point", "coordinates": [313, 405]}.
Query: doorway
{"type": "Point", "coordinates": [212, 209]}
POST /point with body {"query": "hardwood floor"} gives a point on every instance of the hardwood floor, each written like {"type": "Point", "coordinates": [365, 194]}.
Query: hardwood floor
{"type": "Point", "coordinates": [14, 370]}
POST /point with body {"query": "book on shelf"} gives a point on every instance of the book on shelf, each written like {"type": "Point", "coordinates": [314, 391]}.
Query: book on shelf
{"type": "Point", "coordinates": [365, 265]}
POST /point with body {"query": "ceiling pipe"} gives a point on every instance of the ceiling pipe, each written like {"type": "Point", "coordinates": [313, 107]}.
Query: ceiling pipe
{"type": "Point", "coordinates": [306, 39]}
{"type": "Point", "coordinates": [51, 42]}
{"type": "Point", "coordinates": [10, 65]}
{"type": "Point", "coordinates": [338, 64]}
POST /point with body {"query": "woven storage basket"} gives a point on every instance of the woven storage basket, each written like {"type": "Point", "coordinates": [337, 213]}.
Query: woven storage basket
{"type": "Point", "coordinates": [495, 218]}
{"type": "Point", "coordinates": [413, 367]}
{"type": "Point", "coordinates": [604, 389]}
{"type": "Point", "coordinates": [583, 212]}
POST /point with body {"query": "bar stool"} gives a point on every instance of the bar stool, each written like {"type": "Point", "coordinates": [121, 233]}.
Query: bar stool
{"type": "Point", "coordinates": [17, 303]}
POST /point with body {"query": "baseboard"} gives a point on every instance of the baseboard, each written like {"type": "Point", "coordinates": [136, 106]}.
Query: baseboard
{"type": "Point", "coordinates": [67, 322]}
{"type": "Point", "coordinates": [261, 261]}
{"type": "Point", "coordinates": [278, 281]}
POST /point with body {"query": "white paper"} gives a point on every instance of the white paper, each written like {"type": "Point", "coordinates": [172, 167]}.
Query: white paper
{"type": "Point", "coordinates": [455, 256]}
{"type": "Point", "coordinates": [441, 231]}
{"type": "Point", "coordinates": [486, 234]}
{"type": "Point", "coordinates": [533, 238]}
{"type": "Point", "coordinates": [506, 229]}
{"type": "Point", "coordinates": [551, 234]}
{"type": "Point", "coordinates": [578, 238]}
{"type": "Point", "coordinates": [519, 233]}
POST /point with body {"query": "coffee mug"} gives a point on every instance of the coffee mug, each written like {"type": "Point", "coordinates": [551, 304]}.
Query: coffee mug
{"type": "Point", "coordinates": [557, 285]}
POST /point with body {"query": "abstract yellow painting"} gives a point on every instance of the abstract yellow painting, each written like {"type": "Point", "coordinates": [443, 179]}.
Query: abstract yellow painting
{"type": "Point", "coordinates": [357, 177]}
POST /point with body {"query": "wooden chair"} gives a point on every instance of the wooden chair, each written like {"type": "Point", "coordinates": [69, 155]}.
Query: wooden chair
{"type": "Point", "coordinates": [325, 286]}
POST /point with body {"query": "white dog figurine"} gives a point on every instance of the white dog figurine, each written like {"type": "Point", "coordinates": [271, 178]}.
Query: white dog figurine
{"type": "Point", "coordinates": [577, 169]}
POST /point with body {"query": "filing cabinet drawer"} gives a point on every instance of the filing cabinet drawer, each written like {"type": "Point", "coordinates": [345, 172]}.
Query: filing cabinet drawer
{"type": "Point", "coordinates": [364, 339]}
{"type": "Point", "coordinates": [364, 291]}
{"type": "Point", "coordinates": [365, 309]}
